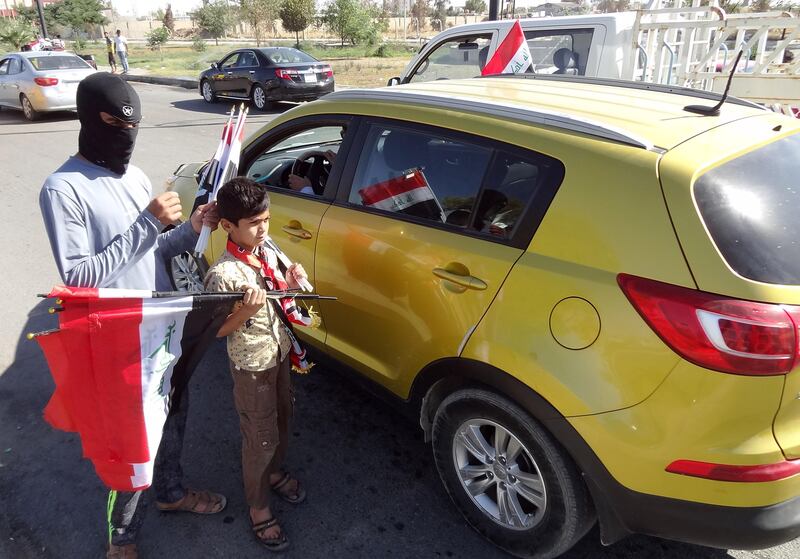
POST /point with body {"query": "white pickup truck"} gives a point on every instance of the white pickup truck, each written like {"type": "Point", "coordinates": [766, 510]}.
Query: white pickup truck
{"type": "Point", "coordinates": [686, 46]}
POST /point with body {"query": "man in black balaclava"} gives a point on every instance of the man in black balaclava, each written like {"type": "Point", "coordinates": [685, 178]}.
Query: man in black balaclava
{"type": "Point", "coordinates": [106, 230]}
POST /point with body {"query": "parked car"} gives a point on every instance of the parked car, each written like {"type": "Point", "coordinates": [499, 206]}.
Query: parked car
{"type": "Point", "coordinates": [41, 81]}
{"type": "Point", "coordinates": [587, 296]}
{"type": "Point", "coordinates": [266, 75]}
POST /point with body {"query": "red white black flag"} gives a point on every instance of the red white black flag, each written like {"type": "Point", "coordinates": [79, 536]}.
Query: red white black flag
{"type": "Point", "coordinates": [512, 56]}
{"type": "Point", "coordinates": [118, 359]}
{"type": "Point", "coordinates": [409, 194]}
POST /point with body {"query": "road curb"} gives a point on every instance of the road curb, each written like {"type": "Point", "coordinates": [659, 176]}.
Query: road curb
{"type": "Point", "coordinates": [185, 83]}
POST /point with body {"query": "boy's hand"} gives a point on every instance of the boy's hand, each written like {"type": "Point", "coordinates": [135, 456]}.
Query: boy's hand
{"type": "Point", "coordinates": [295, 275]}
{"type": "Point", "coordinates": [205, 215]}
{"type": "Point", "coordinates": [254, 299]}
{"type": "Point", "coordinates": [166, 208]}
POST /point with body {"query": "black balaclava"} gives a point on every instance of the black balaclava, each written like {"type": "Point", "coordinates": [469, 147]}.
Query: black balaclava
{"type": "Point", "coordinates": [101, 143]}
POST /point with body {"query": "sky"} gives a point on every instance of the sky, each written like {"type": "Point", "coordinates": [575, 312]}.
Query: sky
{"type": "Point", "coordinates": [143, 7]}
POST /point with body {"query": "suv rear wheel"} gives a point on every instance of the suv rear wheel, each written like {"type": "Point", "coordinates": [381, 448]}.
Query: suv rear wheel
{"type": "Point", "coordinates": [508, 476]}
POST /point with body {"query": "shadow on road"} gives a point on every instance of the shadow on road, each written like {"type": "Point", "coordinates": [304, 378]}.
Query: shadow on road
{"type": "Point", "coordinates": [223, 107]}
{"type": "Point", "coordinates": [372, 484]}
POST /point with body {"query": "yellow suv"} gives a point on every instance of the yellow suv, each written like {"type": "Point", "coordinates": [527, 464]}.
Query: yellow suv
{"type": "Point", "coordinates": [587, 295]}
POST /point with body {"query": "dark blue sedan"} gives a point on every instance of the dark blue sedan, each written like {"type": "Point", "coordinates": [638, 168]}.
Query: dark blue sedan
{"type": "Point", "coordinates": [266, 75]}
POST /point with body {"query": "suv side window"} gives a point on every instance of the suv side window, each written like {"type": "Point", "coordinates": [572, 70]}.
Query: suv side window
{"type": "Point", "coordinates": [309, 154]}
{"type": "Point", "coordinates": [560, 51]}
{"type": "Point", "coordinates": [468, 184]}
{"type": "Point", "coordinates": [462, 57]}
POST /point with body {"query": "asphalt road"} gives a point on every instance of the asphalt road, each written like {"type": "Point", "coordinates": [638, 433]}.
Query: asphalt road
{"type": "Point", "coordinates": [373, 490]}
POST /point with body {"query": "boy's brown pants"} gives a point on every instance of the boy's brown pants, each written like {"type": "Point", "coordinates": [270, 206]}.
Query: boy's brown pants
{"type": "Point", "coordinates": [263, 400]}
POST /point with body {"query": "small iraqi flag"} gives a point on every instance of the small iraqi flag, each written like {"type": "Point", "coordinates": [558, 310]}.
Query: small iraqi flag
{"type": "Point", "coordinates": [409, 194]}
{"type": "Point", "coordinates": [512, 56]}
{"type": "Point", "coordinates": [118, 359]}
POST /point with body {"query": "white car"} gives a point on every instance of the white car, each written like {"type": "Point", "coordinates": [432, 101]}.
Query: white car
{"type": "Point", "coordinates": [41, 81]}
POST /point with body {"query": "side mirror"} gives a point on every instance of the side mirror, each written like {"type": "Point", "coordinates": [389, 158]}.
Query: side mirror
{"type": "Point", "coordinates": [393, 81]}
{"type": "Point", "coordinates": [215, 65]}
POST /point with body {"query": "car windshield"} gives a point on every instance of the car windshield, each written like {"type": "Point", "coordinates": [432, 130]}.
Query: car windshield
{"type": "Point", "coordinates": [57, 63]}
{"type": "Point", "coordinates": [288, 56]}
{"type": "Point", "coordinates": [752, 214]}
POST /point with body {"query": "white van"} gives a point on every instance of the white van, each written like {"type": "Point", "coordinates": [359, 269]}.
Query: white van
{"type": "Point", "coordinates": [686, 46]}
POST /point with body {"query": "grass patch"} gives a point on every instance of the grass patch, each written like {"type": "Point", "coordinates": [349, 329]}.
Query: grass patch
{"type": "Point", "coordinates": [355, 66]}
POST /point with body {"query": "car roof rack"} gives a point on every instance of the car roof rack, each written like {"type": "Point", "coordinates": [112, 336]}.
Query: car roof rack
{"type": "Point", "coordinates": [628, 84]}
{"type": "Point", "coordinates": [515, 112]}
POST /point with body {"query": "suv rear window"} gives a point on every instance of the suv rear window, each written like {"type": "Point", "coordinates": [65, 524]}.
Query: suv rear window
{"type": "Point", "coordinates": [751, 207]}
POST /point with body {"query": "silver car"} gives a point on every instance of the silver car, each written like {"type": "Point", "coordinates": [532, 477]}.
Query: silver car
{"type": "Point", "coordinates": [41, 81]}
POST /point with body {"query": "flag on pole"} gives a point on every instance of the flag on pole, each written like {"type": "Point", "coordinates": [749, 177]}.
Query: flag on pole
{"type": "Point", "coordinates": [223, 167]}
{"type": "Point", "coordinates": [119, 359]}
{"type": "Point", "coordinates": [409, 193]}
{"type": "Point", "coordinates": [512, 56]}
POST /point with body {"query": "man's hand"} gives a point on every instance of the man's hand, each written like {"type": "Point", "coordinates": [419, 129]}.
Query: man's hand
{"type": "Point", "coordinates": [205, 215]}
{"type": "Point", "coordinates": [254, 299]}
{"type": "Point", "coordinates": [294, 275]}
{"type": "Point", "coordinates": [166, 208]}
{"type": "Point", "coordinates": [297, 182]}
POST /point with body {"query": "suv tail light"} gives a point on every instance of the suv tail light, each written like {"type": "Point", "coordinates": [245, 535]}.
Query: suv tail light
{"type": "Point", "coordinates": [46, 81]}
{"type": "Point", "coordinates": [327, 71]}
{"type": "Point", "coordinates": [716, 332]}
{"type": "Point", "coordinates": [285, 74]}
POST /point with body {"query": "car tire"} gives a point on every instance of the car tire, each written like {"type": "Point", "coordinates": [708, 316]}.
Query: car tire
{"type": "Point", "coordinates": [207, 91]}
{"type": "Point", "coordinates": [259, 97]}
{"type": "Point", "coordinates": [27, 108]}
{"type": "Point", "coordinates": [187, 271]}
{"type": "Point", "coordinates": [547, 505]}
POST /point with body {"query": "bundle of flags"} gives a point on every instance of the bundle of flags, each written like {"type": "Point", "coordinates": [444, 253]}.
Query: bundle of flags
{"type": "Point", "coordinates": [119, 359]}
{"type": "Point", "coordinates": [512, 56]}
{"type": "Point", "coordinates": [222, 167]}
{"type": "Point", "coordinates": [408, 193]}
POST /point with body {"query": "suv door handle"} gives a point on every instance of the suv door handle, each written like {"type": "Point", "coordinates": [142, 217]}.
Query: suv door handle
{"type": "Point", "coordinates": [296, 230]}
{"type": "Point", "coordinates": [252, 71]}
{"type": "Point", "coordinates": [470, 282]}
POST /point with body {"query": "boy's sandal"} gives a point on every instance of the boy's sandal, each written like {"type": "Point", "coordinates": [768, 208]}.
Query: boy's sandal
{"type": "Point", "coordinates": [293, 497]}
{"type": "Point", "coordinates": [273, 544]}
{"type": "Point", "coordinates": [198, 502]}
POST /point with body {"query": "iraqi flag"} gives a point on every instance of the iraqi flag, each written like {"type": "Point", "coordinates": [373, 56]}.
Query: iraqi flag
{"type": "Point", "coordinates": [118, 359]}
{"type": "Point", "coordinates": [512, 56]}
{"type": "Point", "coordinates": [409, 194]}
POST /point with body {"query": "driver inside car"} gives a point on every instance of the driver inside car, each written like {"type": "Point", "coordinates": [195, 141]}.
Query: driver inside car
{"type": "Point", "coordinates": [302, 184]}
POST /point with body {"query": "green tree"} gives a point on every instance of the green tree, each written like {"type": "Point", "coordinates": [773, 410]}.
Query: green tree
{"type": "Point", "coordinates": [475, 6]}
{"type": "Point", "coordinates": [169, 19]}
{"type": "Point", "coordinates": [15, 33]}
{"type": "Point", "coordinates": [214, 18]}
{"type": "Point", "coordinates": [79, 15]}
{"type": "Point", "coordinates": [260, 15]}
{"type": "Point", "coordinates": [296, 15]}
{"type": "Point", "coordinates": [157, 38]}
{"type": "Point", "coordinates": [419, 11]}
{"type": "Point", "coordinates": [439, 16]}
{"type": "Point", "coordinates": [608, 6]}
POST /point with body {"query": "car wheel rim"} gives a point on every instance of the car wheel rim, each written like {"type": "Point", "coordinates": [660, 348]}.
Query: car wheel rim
{"type": "Point", "coordinates": [186, 273]}
{"type": "Point", "coordinates": [207, 94]}
{"type": "Point", "coordinates": [259, 97]}
{"type": "Point", "coordinates": [499, 474]}
{"type": "Point", "coordinates": [26, 107]}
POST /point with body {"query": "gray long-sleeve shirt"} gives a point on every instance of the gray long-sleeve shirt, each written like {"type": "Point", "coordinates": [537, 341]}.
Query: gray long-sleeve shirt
{"type": "Point", "coordinates": [100, 232]}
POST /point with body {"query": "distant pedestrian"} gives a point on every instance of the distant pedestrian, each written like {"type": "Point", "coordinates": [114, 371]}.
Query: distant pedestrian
{"type": "Point", "coordinates": [58, 43]}
{"type": "Point", "coordinates": [110, 48]}
{"type": "Point", "coordinates": [121, 44]}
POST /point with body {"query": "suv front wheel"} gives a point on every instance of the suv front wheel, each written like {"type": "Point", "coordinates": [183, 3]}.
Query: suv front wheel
{"type": "Point", "coordinates": [508, 476]}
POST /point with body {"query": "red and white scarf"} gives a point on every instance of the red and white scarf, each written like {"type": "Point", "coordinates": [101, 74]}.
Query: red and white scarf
{"type": "Point", "coordinates": [266, 261]}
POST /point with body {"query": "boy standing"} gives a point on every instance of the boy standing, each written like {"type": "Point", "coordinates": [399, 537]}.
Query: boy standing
{"type": "Point", "coordinates": [110, 49]}
{"type": "Point", "coordinates": [259, 346]}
